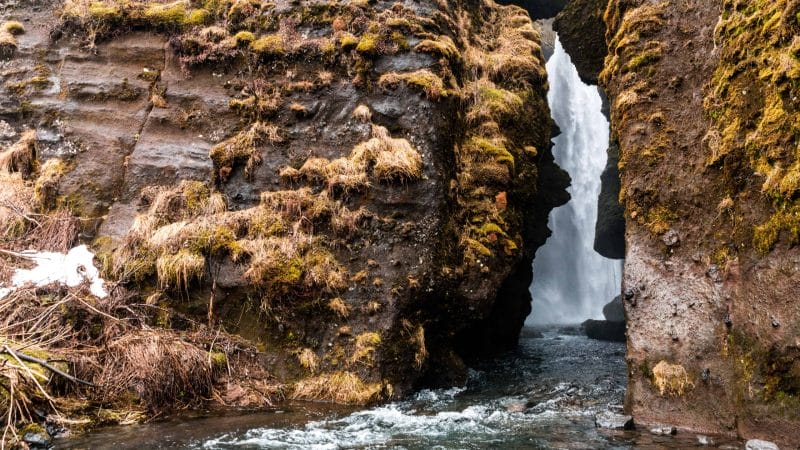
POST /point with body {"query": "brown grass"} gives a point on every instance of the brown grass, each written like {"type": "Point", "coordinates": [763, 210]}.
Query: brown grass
{"type": "Point", "coordinates": [364, 351]}
{"type": "Point", "coordinates": [178, 270]}
{"type": "Point", "coordinates": [339, 307]}
{"type": "Point", "coordinates": [338, 387]}
{"type": "Point", "coordinates": [244, 147]}
{"type": "Point", "coordinates": [362, 113]}
{"type": "Point", "coordinates": [308, 359]}
{"type": "Point", "coordinates": [159, 369]}
{"type": "Point", "coordinates": [21, 157]}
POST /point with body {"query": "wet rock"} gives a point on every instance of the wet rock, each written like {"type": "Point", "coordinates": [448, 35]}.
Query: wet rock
{"type": "Point", "coordinates": [664, 430]}
{"type": "Point", "coordinates": [604, 330]}
{"type": "Point", "coordinates": [613, 311]}
{"type": "Point", "coordinates": [758, 444]}
{"type": "Point", "coordinates": [613, 421]}
{"type": "Point", "coordinates": [37, 439]}
{"type": "Point", "coordinates": [571, 331]}
{"type": "Point", "coordinates": [609, 235]}
{"type": "Point", "coordinates": [531, 333]}
{"type": "Point", "coordinates": [539, 9]}
{"type": "Point", "coordinates": [582, 31]}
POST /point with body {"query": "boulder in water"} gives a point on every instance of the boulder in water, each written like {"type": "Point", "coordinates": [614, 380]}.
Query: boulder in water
{"type": "Point", "coordinates": [613, 311]}
{"type": "Point", "coordinates": [604, 330]}
{"type": "Point", "coordinates": [613, 421]}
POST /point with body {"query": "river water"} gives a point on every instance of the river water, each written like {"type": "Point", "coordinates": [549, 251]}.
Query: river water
{"type": "Point", "coordinates": [544, 395]}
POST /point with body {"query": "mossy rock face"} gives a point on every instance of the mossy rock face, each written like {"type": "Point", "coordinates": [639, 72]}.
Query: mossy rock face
{"type": "Point", "coordinates": [707, 139]}
{"type": "Point", "coordinates": [298, 175]}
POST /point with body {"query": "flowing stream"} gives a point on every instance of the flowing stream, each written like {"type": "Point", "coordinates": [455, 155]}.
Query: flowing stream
{"type": "Point", "coordinates": [543, 395]}
{"type": "Point", "coordinates": [572, 282]}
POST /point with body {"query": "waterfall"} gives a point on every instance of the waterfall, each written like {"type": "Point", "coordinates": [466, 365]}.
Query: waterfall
{"type": "Point", "coordinates": [571, 282]}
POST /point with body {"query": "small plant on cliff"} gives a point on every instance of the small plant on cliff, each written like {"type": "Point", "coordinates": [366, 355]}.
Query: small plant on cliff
{"type": "Point", "coordinates": [671, 379]}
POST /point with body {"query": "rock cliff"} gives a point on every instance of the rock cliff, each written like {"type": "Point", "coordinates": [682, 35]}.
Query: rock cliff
{"type": "Point", "coordinates": [703, 106]}
{"type": "Point", "coordinates": [355, 189]}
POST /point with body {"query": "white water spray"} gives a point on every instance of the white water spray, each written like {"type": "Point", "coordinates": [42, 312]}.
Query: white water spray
{"type": "Point", "coordinates": [572, 282]}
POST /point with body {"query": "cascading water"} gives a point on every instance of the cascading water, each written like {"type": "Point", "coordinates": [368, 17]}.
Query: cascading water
{"type": "Point", "coordinates": [572, 282]}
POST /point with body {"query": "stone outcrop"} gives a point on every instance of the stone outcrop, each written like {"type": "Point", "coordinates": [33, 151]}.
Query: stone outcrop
{"type": "Point", "coordinates": [357, 190]}
{"type": "Point", "coordinates": [702, 105]}
{"type": "Point", "coordinates": [582, 31]}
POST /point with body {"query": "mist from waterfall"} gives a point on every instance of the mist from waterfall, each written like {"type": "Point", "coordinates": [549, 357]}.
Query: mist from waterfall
{"type": "Point", "coordinates": [572, 282]}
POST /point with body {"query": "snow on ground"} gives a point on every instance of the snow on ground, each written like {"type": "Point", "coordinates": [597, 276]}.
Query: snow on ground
{"type": "Point", "coordinates": [70, 269]}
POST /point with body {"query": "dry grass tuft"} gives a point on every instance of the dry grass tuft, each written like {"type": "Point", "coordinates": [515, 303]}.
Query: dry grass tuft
{"type": "Point", "coordinates": [244, 147]}
{"type": "Point", "coordinates": [21, 157]}
{"type": "Point", "coordinates": [418, 339]}
{"type": "Point", "coordinates": [362, 113]}
{"type": "Point", "coordinates": [159, 369]}
{"type": "Point", "coordinates": [339, 387]}
{"type": "Point", "coordinates": [338, 306]}
{"type": "Point", "coordinates": [308, 359]}
{"type": "Point", "coordinates": [430, 83]}
{"type": "Point", "coordinates": [671, 379]}
{"type": "Point", "coordinates": [364, 351]}
{"type": "Point", "coordinates": [177, 271]}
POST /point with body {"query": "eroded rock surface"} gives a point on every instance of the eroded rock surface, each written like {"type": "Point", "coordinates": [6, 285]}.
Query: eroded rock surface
{"type": "Point", "coordinates": [702, 105]}
{"type": "Point", "coordinates": [357, 190]}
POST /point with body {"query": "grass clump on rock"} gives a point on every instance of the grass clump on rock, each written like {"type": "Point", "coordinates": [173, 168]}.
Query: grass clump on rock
{"type": "Point", "coordinates": [671, 379]}
{"type": "Point", "coordinates": [430, 83]}
{"type": "Point", "coordinates": [340, 387]}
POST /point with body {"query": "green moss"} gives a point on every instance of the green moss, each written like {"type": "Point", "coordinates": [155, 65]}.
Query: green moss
{"type": "Point", "coordinates": [658, 219]}
{"type": "Point", "coordinates": [14, 28]}
{"type": "Point", "coordinates": [104, 12]}
{"type": "Point", "coordinates": [399, 39]}
{"type": "Point", "coordinates": [443, 47]}
{"type": "Point", "coordinates": [347, 41]}
{"type": "Point", "coordinates": [166, 15]}
{"type": "Point", "coordinates": [198, 17]}
{"type": "Point", "coordinates": [479, 248]}
{"type": "Point", "coordinates": [643, 59]}
{"type": "Point", "coordinates": [219, 360]}
{"type": "Point", "coordinates": [491, 149]}
{"type": "Point", "coordinates": [765, 236]}
{"type": "Point", "coordinates": [269, 45]}
{"type": "Point", "coordinates": [244, 38]}
{"type": "Point", "coordinates": [368, 44]}
{"type": "Point", "coordinates": [498, 102]}
{"type": "Point", "coordinates": [490, 228]}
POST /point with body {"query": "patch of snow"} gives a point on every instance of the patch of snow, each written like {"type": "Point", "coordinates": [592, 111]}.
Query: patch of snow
{"type": "Point", "coordinates": [70, 269]}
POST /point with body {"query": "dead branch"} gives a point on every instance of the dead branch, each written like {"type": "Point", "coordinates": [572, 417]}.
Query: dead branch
{"type": "Point", "coordinates": [45, 364]}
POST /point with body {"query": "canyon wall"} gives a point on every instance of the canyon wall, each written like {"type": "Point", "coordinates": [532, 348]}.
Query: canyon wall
{"type": "Point", "coordinates": [352, 191]}
{"type": "Point", "coordinates": [703, 99]}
